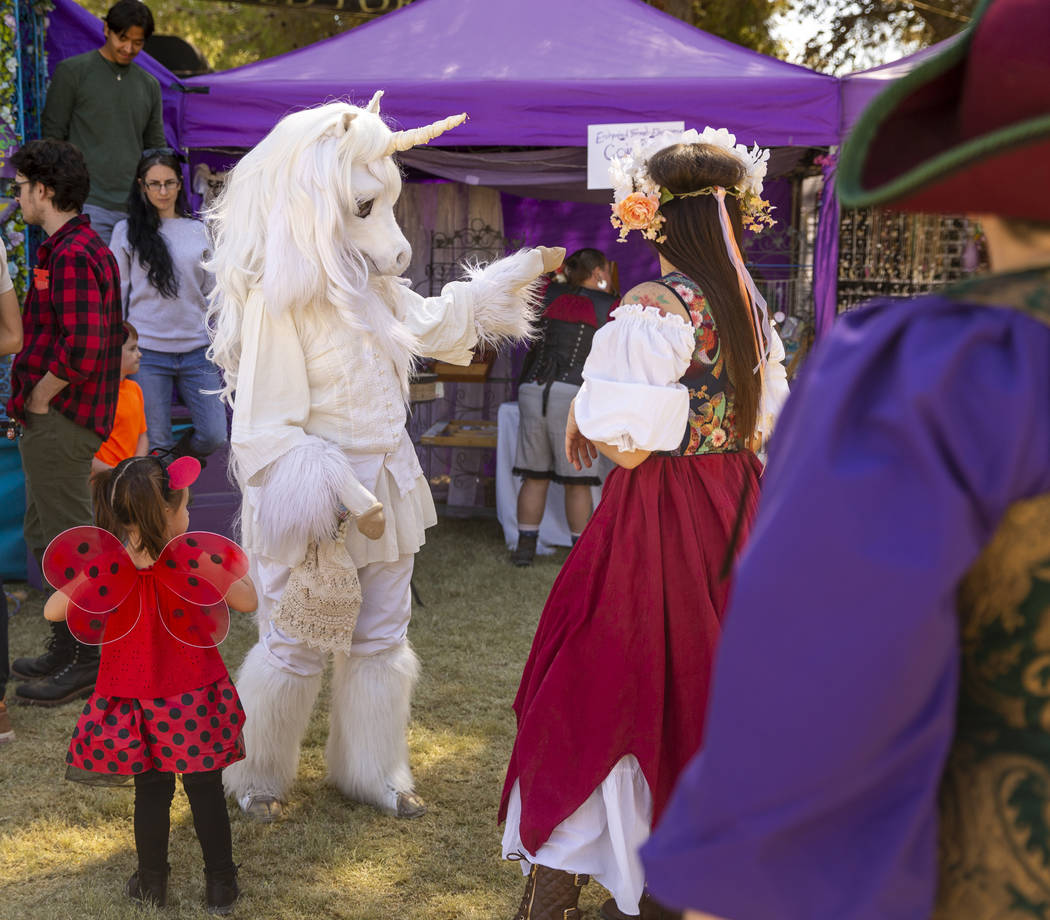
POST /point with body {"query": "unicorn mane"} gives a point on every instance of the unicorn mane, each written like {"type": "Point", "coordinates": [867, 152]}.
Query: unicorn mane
{"type": "Point", "coordinates": [281, 226]}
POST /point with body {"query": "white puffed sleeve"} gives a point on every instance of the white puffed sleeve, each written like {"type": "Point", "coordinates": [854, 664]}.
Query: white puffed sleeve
{"type": "Point", "coordinates": [631, 397]}
{"type": "Point", "coordinates": [497, 303]}
{"type": "Point", "coordinates": [775, 389]}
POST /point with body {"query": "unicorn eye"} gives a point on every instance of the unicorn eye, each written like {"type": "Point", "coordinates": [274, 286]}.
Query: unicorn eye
{"type": "Point", "coordinates": [364, 208]}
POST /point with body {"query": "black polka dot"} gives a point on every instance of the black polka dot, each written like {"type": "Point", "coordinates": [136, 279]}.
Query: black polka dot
{"type": "Point", "coordinates": [102, 590]}
{"type": "Point", "coordinates": [125, 709]}
{"type": "Point", "coordinates": [98, 755]}
{"type": "Point", "coordinates": [69, 756]}
{"type": "Point", "coordinates": [93, 571]}
{"type": "Point", "coordinates": [211, 696]}
{"type": "Point", "coordinates": [181, 765]}
{"type": "Point", "coordinates": [88, 725]}
{"type": "Point", "coordinates": [193, 581]}
{"type": "Point", "coordinates": [112, 766]}
{"type": "Point", "coordinates": [136, 768]}
{"type": "Point", "coordinates": [215, 723]}
{"type": "Point", "coordinates": [157, 762]}
{"type": "Point", "coordinates": [227, 694]}
{"type": "Point", "coordinates": [97, 730]}
{"type": "Point", "coordinates": [178, 738]}
{"type": "Point", "coordinates": [209, 762]}
{"type": "Point", "coordinates": [217, 747]}
{"type": "Point", "coordinates": [123, 733]}
{"type": "Point", "coordinates": [234, 718]}
{"type": "Point", "coordinates": [147, 714]}
{"type": "Point", "coordinates": [222, 708]}
{"type": "Point", "coordinates": [191, 725]}
{"type": "Point", "coordinates": [175, 713]}
{"type": "Point", "coordinates": [159, 701]}
{"type": "Point", "coordinates": [153, 739]}
{"type": "Point", "coordinates": [202, 710]}
{"type": "Point", "coordinates": [134, 743]}
{"type": "Point", "coordinates": [114, 568]}
{"type": "Point", "coordinates": [109, 744]}
{"type": "Point", "coordinates": [83, 548]}
{"type": "Point", "coordinates": [178, 613]}
{"type": "Point", "coordinates": [110, 720]}
{"type": "Point", "coordinates": [216, 558]}
{"type": "Point", "coordinates": [95, 624]}
{"type": "Point", "coordinates": [100, 704]}
{"type": "Point", "coordinates": [80, 748]}
{"type": "Point", "coordinates": [187, 698]}
{"type": "Point", "coordinates": [163, 727]}
{"type": "Point", "coordinates": [193, 750]}
{"type": "Point", "coordinates": [191, 541]}
{"type": "Point", "coordinates": [122, 756]}
{"type": "Point", "coordinates": [70, 573]}
{"type": "Point", "coordinates": [166, 751]}
{"type": "Point", "coordinates": [87, 709]}
{"type": "Point", "coordinates": [227, 734]}
{"type": "Point", "coordinates": [194, 564]}
{"type": "Point", "coordinates": [170, 563]}
{"type": "Point", "coordinates": [205, 735]}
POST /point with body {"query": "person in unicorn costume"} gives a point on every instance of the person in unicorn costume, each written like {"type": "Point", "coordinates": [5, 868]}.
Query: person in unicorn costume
{"type": "Point", "coordinates": [316, 332]}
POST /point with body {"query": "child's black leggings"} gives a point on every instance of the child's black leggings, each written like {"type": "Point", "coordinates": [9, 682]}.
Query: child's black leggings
{"type": "Point", "coordinates": [153, 794]}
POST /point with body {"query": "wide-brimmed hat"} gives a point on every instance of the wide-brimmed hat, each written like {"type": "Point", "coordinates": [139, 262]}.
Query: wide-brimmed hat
{"type": "Point", "coordinates": [966, 132]}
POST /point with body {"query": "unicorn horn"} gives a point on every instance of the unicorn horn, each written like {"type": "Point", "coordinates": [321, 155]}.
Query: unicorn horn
{"type": "Point", "coordinates": [406, 140]}
{"type": "Point", "coordinates": [373, 106]}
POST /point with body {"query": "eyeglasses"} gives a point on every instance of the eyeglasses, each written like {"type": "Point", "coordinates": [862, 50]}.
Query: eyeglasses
{"type": "Point", "coordinates": [16, 187]}
{"type": "Point", "coordinates": [168, 185]}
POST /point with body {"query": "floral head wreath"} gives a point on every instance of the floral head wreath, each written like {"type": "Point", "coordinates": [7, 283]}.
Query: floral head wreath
{"type": "Point", "coordinates": [637, 198]}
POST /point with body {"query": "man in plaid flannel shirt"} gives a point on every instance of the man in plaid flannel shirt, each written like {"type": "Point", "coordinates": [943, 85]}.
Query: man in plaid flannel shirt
{"type": "Point", "coordinates": [64, 384]}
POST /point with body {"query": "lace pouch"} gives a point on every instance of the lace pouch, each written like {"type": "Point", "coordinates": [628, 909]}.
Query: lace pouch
{"type": "Point", "coordinates": [323, 596]}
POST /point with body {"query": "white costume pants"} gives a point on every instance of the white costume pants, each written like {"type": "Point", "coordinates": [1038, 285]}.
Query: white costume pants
{"type": "Point", "coordinates": [372, 685]}
{"type": "Point", "coordinates": [600, 839]}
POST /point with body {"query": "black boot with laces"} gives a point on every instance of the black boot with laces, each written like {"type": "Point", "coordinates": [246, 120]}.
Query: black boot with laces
{"type": "Point", "coordinates": [72, 682]}
{"type": "Point", "coordinates": [58, 652]}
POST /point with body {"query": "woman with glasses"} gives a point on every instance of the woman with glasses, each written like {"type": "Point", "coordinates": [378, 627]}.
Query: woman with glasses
{"type": "Point", "coordinates": [159, 249]}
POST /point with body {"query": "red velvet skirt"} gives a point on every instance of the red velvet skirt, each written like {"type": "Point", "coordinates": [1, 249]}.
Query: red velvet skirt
{"type": "Point", "coordinates": [117, 737]}
{"type": "Point", "coordinates": [621, 662]}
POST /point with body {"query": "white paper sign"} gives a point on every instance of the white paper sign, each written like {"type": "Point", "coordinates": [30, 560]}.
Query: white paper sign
{"type": "Point", "coordinates": [607, 142]}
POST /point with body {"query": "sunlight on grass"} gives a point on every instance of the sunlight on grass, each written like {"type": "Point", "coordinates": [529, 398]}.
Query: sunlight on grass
{"type": "Point", "coordinates": [66, 850]}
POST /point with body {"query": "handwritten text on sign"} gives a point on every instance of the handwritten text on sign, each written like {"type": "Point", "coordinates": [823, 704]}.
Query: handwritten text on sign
{"type": "Point", "coordinates": [607, 142]}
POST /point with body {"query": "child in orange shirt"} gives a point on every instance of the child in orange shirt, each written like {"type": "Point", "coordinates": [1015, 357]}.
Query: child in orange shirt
{"type": "Point", "coordinates": [128, 437]}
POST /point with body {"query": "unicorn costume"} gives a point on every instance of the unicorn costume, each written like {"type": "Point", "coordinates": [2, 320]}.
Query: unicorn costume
{"type": "Point", "coordinates": [317, 340]}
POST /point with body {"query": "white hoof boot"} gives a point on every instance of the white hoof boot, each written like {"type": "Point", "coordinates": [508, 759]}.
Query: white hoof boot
{"type": "Point", "coordinates": [261, 807]}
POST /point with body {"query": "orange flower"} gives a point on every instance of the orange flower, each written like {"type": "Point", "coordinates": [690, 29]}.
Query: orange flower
{"type": "Point", "coordinates": [637, 211]}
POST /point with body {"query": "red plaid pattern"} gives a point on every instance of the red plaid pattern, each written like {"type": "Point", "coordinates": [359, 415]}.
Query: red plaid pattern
{"type": "Point", "coordinates": [72, 325]}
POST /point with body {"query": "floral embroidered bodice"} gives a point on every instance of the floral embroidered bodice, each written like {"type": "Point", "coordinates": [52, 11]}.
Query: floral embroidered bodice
{"type": "Point", "coordinates": [712, 415]}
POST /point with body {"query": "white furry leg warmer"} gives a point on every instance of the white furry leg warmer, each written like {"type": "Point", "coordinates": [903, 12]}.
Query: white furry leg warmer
{"type": "Point", "coordinates": [277, 706]}
{"type": "Point", "coordinates": [367, 748]}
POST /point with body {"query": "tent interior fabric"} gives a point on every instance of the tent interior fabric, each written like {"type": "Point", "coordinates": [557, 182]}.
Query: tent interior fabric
{"type": "Point", "coordinates": [528, 74]}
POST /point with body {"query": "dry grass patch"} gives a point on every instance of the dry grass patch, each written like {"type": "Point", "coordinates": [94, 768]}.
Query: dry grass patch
{"type": "Point", "coordinates": [66, 850]}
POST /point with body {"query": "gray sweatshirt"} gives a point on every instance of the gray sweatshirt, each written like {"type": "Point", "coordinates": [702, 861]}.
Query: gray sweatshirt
{"type": "Point", "coordinates": [164, 324]}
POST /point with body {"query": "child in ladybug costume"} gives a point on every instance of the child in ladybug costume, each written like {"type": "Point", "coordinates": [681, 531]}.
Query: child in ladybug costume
{"type": "Point", "coordinates": [157, 599]}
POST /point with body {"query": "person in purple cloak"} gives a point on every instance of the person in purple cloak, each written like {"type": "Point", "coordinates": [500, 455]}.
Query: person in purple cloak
{"type": "Point", "coordinates": [878, 739]}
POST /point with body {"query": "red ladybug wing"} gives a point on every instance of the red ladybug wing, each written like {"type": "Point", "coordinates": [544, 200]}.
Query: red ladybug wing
{"type": "Point", "coordinates": [101, 628]}
{"type": "Point", "coordinates": [91, 567]}
{"type": "Point", "coordinates": [199, 625]}
{"type": "Point", "coordinates": [200, 566]}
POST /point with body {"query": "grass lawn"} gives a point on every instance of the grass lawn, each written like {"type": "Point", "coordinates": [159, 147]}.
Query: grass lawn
{"type": "Point", "coordinates": [66, 850]}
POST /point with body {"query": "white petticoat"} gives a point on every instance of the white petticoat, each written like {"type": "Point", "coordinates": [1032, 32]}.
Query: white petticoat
{"type": "Point", "coordinates": [600, 839]}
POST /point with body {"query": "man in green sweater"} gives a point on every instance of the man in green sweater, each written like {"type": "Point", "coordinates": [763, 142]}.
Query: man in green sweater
{"type": "Point", "coordinates": [110, 108]}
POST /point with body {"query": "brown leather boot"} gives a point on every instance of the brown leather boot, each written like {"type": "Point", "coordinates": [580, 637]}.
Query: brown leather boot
{"type": "Point", "coordinates": [551, 894]}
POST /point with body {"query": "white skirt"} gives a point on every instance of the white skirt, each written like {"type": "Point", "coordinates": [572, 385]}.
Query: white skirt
{"type": "Point", "coordinates": [600, 839]}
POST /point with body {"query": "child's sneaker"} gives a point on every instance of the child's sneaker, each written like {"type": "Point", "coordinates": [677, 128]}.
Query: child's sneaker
{"type": "Point", "coordinates": [7, 732]}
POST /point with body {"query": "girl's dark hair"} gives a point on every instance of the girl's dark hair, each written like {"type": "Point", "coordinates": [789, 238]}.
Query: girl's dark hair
{"type": "Point", "coordinates": [144, 225]}
{"type": "Point", "coordinates": [694, 245]}
{"type": "Point", "coordinates": [581, 264]}
{"type": "Point", "coordinates": [134, 494]}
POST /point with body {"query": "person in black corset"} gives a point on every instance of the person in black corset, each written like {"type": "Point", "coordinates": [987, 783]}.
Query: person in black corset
{"type": "Point", "coordinates": [549, 381]}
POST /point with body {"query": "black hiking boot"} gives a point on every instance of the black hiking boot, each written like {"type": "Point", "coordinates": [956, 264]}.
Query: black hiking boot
{"type": "Point", "coordinates": [74, 681]}
{"type": "Point", "coordinates": [58, 652]}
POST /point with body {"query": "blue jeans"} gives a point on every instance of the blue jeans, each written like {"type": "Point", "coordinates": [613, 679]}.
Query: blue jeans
{"type": "Point", "coordinates": [194, 376]}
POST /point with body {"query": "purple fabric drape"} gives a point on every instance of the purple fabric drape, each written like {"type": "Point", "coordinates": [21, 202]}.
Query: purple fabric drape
{"type": "Point", "coordinates": [826, 254]}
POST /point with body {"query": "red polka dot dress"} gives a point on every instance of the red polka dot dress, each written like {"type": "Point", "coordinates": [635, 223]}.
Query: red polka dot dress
{"type": "Point", "coordinates": [160, 701]}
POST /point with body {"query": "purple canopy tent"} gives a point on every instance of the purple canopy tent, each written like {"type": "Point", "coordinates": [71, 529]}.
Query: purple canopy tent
{"type": "Point", "coordinates": [528, 74]}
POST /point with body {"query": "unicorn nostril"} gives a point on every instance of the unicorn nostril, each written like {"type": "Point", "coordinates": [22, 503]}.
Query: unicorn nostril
{"type": "Point", "coordinates": [403, 258]}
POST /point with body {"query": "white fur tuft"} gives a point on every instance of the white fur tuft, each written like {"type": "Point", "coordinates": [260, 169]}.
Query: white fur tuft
{"type": "Point", "coordinates": [277, 707]}
{"type": "Point", "coordinates": [367, 748]}
{"type": "Point", "coordinates": [507, 298]}
{"type": "Point", "coordinates": [287, 515]}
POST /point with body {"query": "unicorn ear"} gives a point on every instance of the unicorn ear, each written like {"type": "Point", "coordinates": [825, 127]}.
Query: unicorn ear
{"type": "Point", "coordinates": [373, 106]}
{"type": "Point", "coordinates": [348, 118]}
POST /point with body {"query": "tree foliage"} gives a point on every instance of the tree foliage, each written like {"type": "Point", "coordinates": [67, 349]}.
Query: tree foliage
{"type": "Point", "coordinates": [853, 31]}
{"type": "Point", "coordinates": [745, 22]}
